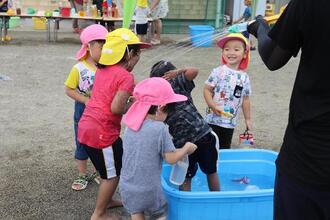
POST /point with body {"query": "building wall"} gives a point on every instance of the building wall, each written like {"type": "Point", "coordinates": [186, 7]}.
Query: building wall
{"type": "Point", "coordinates": [192, 9]}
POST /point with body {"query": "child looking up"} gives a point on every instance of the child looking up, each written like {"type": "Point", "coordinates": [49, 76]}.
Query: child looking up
{"type": "Point", "coordinates": [228, 89]}
{"type": "Point", "coordinates": [78, 86]}
{"type": "Point", "coordinates": [99, 127]}
{"type": "Point", "coordinates": [146, 143]}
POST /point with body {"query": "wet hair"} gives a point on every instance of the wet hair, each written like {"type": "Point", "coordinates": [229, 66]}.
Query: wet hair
{"type": "Point", "coordinates": [167, 109]}
{"type": "Point", "coordinates": [160, 68]}
{"type": "Point", "coordinates": [134, 48]}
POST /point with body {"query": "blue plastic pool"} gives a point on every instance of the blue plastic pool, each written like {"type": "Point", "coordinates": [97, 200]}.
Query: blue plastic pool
{"type": "Point", "coordinates": [238, 200]}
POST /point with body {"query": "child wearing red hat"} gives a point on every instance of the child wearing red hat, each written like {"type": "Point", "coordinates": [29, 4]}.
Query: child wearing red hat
{"type": "Point", "coordinates": [228, 89]}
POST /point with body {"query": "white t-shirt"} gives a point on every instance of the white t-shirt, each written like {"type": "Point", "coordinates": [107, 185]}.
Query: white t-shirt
{"type": "Point", "coordinates": [141, 15]}
{"type": "Point", "coordinates": [230, 86]}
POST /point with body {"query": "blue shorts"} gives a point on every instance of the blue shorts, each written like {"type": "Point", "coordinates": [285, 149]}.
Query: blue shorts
{"type": "Point", "coordinates": [205, 156]}
{"type": "Point", "coordinates": [295, 202]}
{"type": "Point", "coordinates": [80, 153]}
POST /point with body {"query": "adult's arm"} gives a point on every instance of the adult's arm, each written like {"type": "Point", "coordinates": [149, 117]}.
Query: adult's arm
{"type": "Point", "coordinates": [272, 54]}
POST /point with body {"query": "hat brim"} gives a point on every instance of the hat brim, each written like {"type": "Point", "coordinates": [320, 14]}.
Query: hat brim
{"type": "Point", "coordinates": [176, 98]}
{"type": "Point", "coordinates": [142, 45]}
{"type": "Point", "coordinates": [221, 43]}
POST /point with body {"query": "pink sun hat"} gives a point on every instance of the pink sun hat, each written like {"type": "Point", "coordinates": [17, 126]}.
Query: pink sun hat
{"type": "Point", "coordinates": [90, 33]}
{"type": "Point", "coordinates": [152, 91]}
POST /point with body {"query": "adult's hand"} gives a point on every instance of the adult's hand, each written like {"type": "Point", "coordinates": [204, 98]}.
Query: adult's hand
{"type": "Point", "coordinates": [254, 26]}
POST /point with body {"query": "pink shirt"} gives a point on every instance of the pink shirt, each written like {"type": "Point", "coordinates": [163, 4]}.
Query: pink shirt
{"type": "Point", "coordinates": [98, 126]}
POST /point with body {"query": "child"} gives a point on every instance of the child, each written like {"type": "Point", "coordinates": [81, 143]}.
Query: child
{"type": "Point", "coordinates": [99, 127]}
{"type": "Point", "coordinates": [146, 142]}
{"type": "Point", "coordinates": [79, 85]}
{"type": "Point", "coordinates": [4, 23]}
{"type": "Point", "coordinates": [78, 5]}
{"type": "Point", "coordinates": [247, 15]}
{"type": "Point", "coordinates": [228, 88]}
{"type": "Point", "coordinates": [141, 19]}
{"type": "Point", "coordinates": [187, 125]}
{"type": "Point", "coordinates": [159, 10]}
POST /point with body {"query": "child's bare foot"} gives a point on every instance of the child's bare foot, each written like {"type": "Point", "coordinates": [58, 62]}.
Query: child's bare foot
{"type": "Point", "coordinates": [114, 204]}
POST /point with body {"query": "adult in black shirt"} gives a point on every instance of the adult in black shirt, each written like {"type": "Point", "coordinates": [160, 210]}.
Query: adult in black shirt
{"type": "Point", "coordinates": [302, 185]}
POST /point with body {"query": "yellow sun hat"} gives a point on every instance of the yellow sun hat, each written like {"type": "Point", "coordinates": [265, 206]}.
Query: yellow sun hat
{"type": "Point", "coordinates": [237, 36]}
{"type": "Point", "coordinates": [142, 3]}
{"type": "Point", "coordinates": [116, 44]}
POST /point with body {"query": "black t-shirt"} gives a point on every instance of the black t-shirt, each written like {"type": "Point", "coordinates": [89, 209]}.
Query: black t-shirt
{"type": "Point", "coordinates": [305, 153]}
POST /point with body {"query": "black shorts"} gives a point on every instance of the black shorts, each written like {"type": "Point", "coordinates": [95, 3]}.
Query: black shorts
{"type": "Point", "coordinates": [225, 135]}
{"type": "Point", "coordinates": [141, 29]}
{"type": "Point", "coordinates": [205, 156]}
{"type": "Point", "coordinates": [107, 161]}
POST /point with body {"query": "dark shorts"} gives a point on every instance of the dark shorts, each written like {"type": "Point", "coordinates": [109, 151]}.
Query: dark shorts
{"type": "Point", "coordinates": [5, 23]}
{"type": "Point", "coordinates": [246, 34]}
{"type": "Point", "coordinates": [141, 29]}
{"type": "Point", "coordinates": [295, 202]}
{"type": "Point", "coordinates": [205, 156]}
{"type": "Point", "coordinates": [80, 152]}
{"type": "Point", "coordinates": [107, 161]}
{"type": "Point", "coordinates": [225, 136]}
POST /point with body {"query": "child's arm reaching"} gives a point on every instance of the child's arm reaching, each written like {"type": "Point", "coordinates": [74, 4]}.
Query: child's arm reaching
{"type": "Point", "coordinates": [247, 112]}
{"type": "Point", "coordinates": [173, 157]}
{"type": "Point", "coordinates": [119, 103]}
{"type": "Point", "coordinates": [75, 95]}
{"type": "Point", "coordinates": [190, 73]}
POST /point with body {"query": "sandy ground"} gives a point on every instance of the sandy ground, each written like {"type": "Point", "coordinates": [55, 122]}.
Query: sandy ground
{"type": "Point", "coordinates": [36, 129]}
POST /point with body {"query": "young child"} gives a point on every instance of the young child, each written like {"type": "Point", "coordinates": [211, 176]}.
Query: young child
{"type": "Point", "coordinates": [141, 19]}
{"type": "Point", "coordinates": [247, 15]}
{"type": "Point", "coordinates": [99, 127]}
{"type": "Point", "coordinates": [4, 23]}
{"type": "Point", "coordinates": [78, 86]}
{"type": "Point", "coordinates": [146, 143]}
{"type": "Point", "coordinates": [228, 88]}
{"type": "Point", "coordinates": [187, 125]}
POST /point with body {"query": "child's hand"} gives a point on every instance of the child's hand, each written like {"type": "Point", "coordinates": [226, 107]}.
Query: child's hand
{"type": "Point", "coordinates": [221, 113]}
{"type": "Point", "coordinates": [190, 147]}
{"type": "Point", "coordinates": [171, 74]}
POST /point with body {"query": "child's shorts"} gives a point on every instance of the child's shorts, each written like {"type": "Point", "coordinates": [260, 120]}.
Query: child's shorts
{"type": "Point", "coordinates": [80, 152]}
{"type": "Point", "coordinates": [141, 29]}
{"type": "Point", "coordinates": [107, 161]}
{"type": "Point", "coordinates": [6, 23]}
{"type": "Point", "coordinates": [205, 156]}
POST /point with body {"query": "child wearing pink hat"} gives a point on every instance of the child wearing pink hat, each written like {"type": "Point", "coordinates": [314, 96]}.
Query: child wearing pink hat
{"type": "Point", "coordinates": [146, 143]}
{"type": "Point", "coordinates": [78, 86]}
{"type": "Point", "coordinates": [228, 89]}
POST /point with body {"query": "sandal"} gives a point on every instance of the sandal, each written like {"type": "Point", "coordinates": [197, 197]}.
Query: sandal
{"type": "Point", "coordinates": [95, 176]}
{"type": "Point", "coordinates": [80, 183]}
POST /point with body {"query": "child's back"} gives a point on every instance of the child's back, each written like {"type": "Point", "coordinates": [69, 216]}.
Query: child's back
{"type": "Point", "coordinates": [142, 164]}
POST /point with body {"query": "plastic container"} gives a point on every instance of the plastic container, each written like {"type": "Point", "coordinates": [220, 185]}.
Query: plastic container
{"type": "Point", "coordinates": [238, 28]}
{"type": "Point", "coordinates": [39, 23]}
{"type": "Point", "coordinates": [14, 22]}
{"type": "Point", "coordinates": [237, 200]}
{"type": "Point", "coordinates": [201, 35]}
{"type": "Point", "coordinates": [179, 171]}
{"type": "Point", "coordinates": [65, 11]}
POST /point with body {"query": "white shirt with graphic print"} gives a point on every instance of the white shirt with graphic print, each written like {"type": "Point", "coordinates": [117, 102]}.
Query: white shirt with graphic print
{"type": "Point", "coordinates": [229, 88]}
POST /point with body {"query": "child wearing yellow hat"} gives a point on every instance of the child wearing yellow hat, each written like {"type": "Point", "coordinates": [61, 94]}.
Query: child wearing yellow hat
{"type": "Point", "coordinates": [228, 89]}
{"type": "Point", "coordinates": [99, 126]}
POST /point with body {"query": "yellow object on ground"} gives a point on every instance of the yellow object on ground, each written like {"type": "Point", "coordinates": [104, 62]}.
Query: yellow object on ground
{"type": "Point", "coordinates": [39, 23]}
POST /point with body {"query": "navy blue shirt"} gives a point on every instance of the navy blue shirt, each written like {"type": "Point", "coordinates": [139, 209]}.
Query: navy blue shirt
{"type": "Point", "coordinates": [185, 122]}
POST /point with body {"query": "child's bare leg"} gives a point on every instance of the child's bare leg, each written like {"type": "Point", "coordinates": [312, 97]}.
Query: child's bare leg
{"type": "Point", "coordinates": [106, 191]}
{"type": "Point", "coordinates": [158, 27]}
{"type": "Point", "coordinates": [82, 166]}
{"type": "Point", "coordinates": [186, 186]}
{"type": "Point", "coordinates": [138, 216]}
{"type": "Point", "coordinates": [213, 182]}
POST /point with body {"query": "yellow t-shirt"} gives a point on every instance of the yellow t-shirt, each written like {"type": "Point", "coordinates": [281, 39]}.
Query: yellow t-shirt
{"type": "Point", "coordinates": [142, 3]}
{"type": "Point", "coordinates": [81, 77]}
